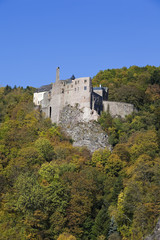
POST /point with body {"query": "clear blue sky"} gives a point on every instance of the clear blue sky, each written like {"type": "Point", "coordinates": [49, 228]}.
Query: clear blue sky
{"type": "Point", "coordinates": [81, 36]}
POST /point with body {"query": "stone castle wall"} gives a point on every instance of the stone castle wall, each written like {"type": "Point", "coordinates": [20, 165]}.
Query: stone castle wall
{"type": "Point", "coordinates": [55, 102]}
{"type": "Point", "coordinates": [77, 92]}
{"type": "Point", "coordinates": [38, 97]}
{"type": "Point", "coordinates": [118, 108]}
{"type": "Point", "coordinates": [71, 92]}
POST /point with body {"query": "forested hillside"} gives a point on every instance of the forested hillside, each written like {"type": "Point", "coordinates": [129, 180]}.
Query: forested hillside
{"type": "Point", "coordinates": [52, 190]}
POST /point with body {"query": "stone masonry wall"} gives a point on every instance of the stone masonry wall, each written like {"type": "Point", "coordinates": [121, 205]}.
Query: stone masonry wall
{"type": "Point", "coordinates": [78, 92]}
{"type": "Point", "coordinates": [55, 103]}
{"type": "Point", "coordinates": [74, 92]}
{"type": "Point", "coordinates": [38, 97]}
{"type": "Point", "coordinates": [118, 108]}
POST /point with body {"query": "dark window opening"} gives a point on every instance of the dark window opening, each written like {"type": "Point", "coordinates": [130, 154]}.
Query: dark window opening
{"type": "Point", "coordinates": [50, 112]}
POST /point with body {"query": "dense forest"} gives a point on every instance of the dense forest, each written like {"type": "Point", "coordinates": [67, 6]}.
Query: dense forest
{"type": "Point", "coordinates": [52, 190]}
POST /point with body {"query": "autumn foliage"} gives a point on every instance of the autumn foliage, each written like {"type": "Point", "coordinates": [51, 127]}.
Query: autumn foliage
{"type": "Point", "coordinates": [52, 190]}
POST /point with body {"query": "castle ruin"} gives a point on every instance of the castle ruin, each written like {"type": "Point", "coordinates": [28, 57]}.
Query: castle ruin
{"type": "Point", "coordinates": [77, 92]}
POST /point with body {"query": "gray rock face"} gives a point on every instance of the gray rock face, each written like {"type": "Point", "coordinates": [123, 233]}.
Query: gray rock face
{"type": "Point", "coordinates": [156, 233]}
{"type": "Point", "coordinates": [89, 134]}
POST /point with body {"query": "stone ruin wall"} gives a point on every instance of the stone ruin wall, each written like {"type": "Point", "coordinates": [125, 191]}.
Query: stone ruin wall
{"type": "Point", "coordinates": [55, 102]}
{"type": "Point", "coordinates": [38, 97]}
{"type": "Point", "coordinates": [71, 93]}
{"type": "Point", "coordinates": [79, 93]}
{"type": "Point", "coordinates": [74, 92]}
{"type": "Point", "coordinates": [118, 108]}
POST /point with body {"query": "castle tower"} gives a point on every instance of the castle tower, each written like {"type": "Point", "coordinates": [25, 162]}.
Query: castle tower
{"type": "Point", "coordinates": [57, 74]}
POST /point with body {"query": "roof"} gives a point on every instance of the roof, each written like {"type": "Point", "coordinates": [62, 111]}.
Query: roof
{"type": "Point", "coordinates": [100, 88]}
{"type": "Point", "coordinates": [44, 88]}
{"type": "Point", "coordinates": [97, 88]}
{"type": "Point", "coordinates": [66, 80]}
{"type": "Point", "coordinates": [69, 80]}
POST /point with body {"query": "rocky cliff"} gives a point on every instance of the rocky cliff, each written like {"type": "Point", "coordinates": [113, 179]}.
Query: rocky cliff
{"type": "Point", "coordinates": [156, 233]}
{"type": "Point", "coordinates": [83, 132]}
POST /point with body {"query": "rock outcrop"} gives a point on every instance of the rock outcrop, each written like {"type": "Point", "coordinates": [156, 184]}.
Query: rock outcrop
{"type": "Point", "coordinates": [83, 132]}
{"type": "Point", "coordinates": [156, 233]}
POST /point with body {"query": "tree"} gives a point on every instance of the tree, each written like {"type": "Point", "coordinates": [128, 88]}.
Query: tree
{"type": "Point", "coordinates": [114, 165]}
{"type": "Point", "coordinates": [155, 77]}
{"type": "Point", "coordinates": [101, 225]}
{"type": "Point", "coordinates": [100, 158]}
{"type": "Point", "coordinates": [143, 142]}
{"type": "Point", "coordinates": [45, 148]}
{"type": "Point", "coordinates": [66, 236]}
{"type": "Point", "coordinates": [105, 121]}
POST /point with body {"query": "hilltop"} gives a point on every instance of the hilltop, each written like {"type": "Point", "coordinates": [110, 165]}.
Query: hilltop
{"type": "Point", "coordinates": [50, 189]}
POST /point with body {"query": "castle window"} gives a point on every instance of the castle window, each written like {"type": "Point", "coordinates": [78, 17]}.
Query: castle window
{"type": "Point", "coordinates": [50, 112]}
{"type": "Point", "coordinates": [62, 90]}
{"type": "Point", "coordinates": [78, 81]}
{"type": "Point", "coordinates": [75, 89]}
{"type": "Point", "coordinates": [85, 80]}
{"type": "Point", "coordinates": [85, 88]}
{"type": "Point", "coordinates": [71, 86]}
{"type": "Point", "coordinates": [75, 82]}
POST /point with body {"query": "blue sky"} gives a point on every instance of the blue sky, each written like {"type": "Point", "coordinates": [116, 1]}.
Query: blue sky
{"type": "Point", "coordinates": [81, 36]}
